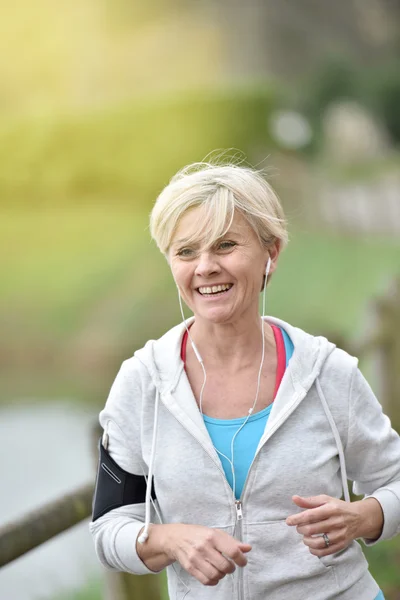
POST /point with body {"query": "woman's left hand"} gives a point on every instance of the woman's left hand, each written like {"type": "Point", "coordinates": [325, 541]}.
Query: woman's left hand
{"type": "Point", "coordinates": [341, 521]}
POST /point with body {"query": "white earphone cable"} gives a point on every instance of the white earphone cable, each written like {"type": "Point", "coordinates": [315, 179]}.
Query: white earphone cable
{"type": "Point", "coordinates": [251, 410]}
{"type": "Point", "coordinates": [148, 500]}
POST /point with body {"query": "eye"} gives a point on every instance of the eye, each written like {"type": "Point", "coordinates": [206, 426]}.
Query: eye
{"type": "Point", "coordinates": [226, 245]}
{"type": "Point", "coordinates": [185, 252]}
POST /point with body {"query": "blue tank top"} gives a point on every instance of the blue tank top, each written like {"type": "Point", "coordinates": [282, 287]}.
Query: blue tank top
{"type": "Point", "coordinates": [221, 432]}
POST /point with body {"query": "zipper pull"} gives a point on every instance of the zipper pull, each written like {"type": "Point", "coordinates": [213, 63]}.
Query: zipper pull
{"type": "Point", "coordinates": [239, 512]}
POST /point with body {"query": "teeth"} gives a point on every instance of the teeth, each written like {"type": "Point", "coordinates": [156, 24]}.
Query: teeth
{"type": "Point", "coordinates": [215, 289]}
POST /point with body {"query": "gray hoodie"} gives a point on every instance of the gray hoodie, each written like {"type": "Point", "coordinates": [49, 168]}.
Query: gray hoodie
{"type": "Point", "coordinates": [325, 419]}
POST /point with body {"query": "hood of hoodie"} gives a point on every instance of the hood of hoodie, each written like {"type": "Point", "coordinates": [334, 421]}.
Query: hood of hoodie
{"type": "Point", "coordinates": [162, 359]}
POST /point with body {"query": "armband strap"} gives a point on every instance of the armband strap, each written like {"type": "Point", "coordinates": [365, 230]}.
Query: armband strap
{"type": "Point", "coordinates": [116, 487]}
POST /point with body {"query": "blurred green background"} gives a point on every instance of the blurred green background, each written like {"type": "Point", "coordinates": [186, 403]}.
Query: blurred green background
{"type": "Point", "coordinates": [102, 102]}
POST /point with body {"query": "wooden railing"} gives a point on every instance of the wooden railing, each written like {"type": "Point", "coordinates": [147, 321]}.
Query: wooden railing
{"type": "Point", "coordinates": [40, 525]}
{"type": "Point", "coordinates": [381, 341]}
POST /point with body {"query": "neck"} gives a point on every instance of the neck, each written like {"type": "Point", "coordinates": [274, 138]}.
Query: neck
{"type": "Point", "coordinates": [232, 345]}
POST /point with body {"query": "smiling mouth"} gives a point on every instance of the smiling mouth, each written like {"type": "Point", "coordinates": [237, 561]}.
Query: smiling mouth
{"type": "Point", "coordinates": [214, 290]}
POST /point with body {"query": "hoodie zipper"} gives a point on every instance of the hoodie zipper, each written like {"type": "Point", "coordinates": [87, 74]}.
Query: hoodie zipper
{"type": "Point", "coordinates": [239, 508]}
{"type": "Point", "coordinates": [238, 503]}
{"type": "Point", "coordinates": [238, 531]}
{"type": "Point", "coordinates": [239, 512]}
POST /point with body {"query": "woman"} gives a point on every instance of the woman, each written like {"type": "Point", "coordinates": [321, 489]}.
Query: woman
{"type": "Point", "coordinates": [247, 424]}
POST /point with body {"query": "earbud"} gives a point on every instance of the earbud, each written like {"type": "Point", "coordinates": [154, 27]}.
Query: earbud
{"type": "Point", "coordinates": [267, 268]}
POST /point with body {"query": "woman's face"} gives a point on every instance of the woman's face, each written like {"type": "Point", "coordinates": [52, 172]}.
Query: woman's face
{"type": "Point", "coordinates": [220, 284]}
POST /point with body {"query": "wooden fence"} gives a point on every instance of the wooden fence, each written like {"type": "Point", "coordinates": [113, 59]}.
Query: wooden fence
{"type": "Point", "coordinates": [39, 526]}
{"type": "Point", "coordinates": [381, 343]}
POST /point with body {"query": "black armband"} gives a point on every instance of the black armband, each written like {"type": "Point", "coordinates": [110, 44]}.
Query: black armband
{"type": "Point", "coordinates": [116, 487]}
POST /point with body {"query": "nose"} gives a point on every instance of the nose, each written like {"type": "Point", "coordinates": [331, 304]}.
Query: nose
{"type": "Point", "coordinates": [207, 265]}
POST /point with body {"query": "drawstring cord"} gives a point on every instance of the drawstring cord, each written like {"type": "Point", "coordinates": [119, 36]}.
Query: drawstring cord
{"type": "Point", "coordinates": [145, 534]}
{"type": "Point", "coordinates": [338, 441]}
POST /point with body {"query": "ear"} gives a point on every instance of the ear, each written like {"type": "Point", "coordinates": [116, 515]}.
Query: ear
{"type": "Point", "coordinates": [274, 251]}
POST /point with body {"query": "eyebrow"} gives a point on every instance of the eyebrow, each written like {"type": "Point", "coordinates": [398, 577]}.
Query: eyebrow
{"type": "Point", "coordinates": [232, 232]}
{"type": "Point", "coordinates": [186, 240]}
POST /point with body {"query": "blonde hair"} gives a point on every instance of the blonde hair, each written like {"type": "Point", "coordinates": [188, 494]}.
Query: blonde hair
{"type": "Point", "coordinates": [220, 190]}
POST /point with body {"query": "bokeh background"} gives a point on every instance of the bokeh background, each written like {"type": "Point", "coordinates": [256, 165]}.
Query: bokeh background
{"type": "Point", "coordinates": [100, 104]}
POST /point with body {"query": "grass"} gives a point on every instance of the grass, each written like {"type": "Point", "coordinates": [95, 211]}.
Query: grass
{"type": "Point", "coordinates": [324, 281]}
{"type": "Point", "coordinates": [62, 261]}
{"type": "Point", "coordinates": [384, 560]}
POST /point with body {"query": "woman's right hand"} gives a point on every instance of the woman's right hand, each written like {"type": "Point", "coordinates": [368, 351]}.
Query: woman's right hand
{"type": "Point", "coordinates": [205, 553]}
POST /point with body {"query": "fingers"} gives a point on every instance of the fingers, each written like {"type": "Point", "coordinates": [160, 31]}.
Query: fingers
{"type": "Point", "coordinates": [331, 516]}
{"type": "Point", "coordinates": [318, 542]}
{"type": "Point", "coordinates": [211, 568]}
{"type": "Point", "coordinates": [326, 551]}
{"type": "Point", "coordinates": [209, 577]}
{"type": "Point", "coordinates": [210, 554]}
{"type": "Point", "coordinates": [235, 552]}
{"type": "Point", "coordinates": [208, 573]}
{"type": "Point", "coordinates": [231, 548]}
{"type": "Point", "coordinates": [311, 501]}
{"type": "Point", "coordinates": [224, 565]}
{"type": "Point", "coordinates": [318, 528]}
{"type": "Point", "coordinates": [317, 509]}
{"type": "Point", "coordinates": [312, 515]}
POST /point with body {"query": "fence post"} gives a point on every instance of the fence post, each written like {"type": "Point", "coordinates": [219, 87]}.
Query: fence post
{"type": "Point", "coordinates": [388, 309]}
{"type": "Point", "coordinates": [124, 586]}
{"type": "Point", "coordinates": [380, 343]}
